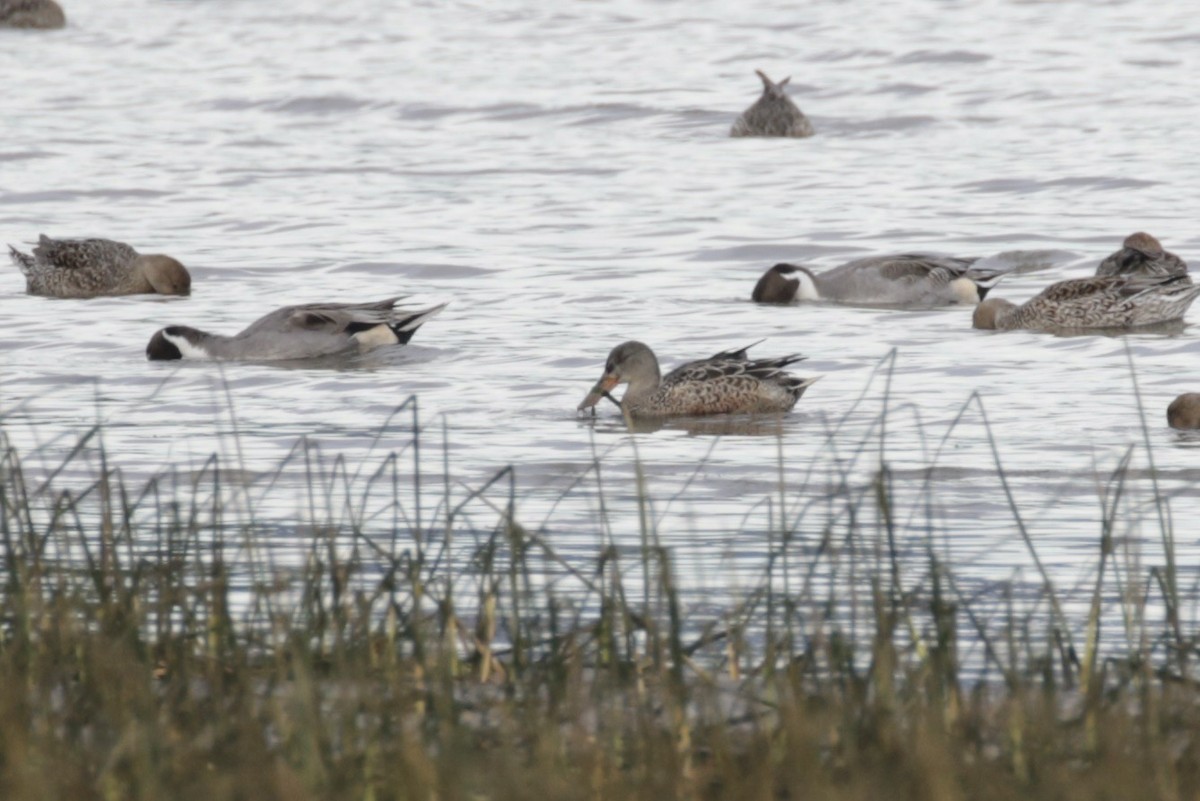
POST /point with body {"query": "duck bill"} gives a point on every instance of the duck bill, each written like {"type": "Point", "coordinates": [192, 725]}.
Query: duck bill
{"type": "Point", "coordinates": [606, 382]}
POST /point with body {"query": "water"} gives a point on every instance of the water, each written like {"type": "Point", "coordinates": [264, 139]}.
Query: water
{"type": "Point", "coordinates": [564, 177]}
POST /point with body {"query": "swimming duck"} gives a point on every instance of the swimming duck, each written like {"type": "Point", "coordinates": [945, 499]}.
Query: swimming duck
{"type": "Point", "coordinates": [31, 14]}
{"type": "Point", "coordinates": [1142, 254]}
{"type": "Point", "coordinates": [906, 279]}
{"type": "Point", "coordinates": [725, 383]}
{"type": "Point", "coordinates": [773, 114]}
{"type": "Point", "coordinates": [90, 268]}
{"type": "Point", "coordinates": [1121, 301]}
{"type": "Point", "coordinates": [1184, 411]}
{"type": "Point", "coordinates": [298, 332]}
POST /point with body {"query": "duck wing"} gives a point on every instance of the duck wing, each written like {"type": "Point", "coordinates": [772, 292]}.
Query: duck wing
{"type": "Point", "coordinates": [722, 366]}
{"type": "Point", "coordinates": [912, 267]}
{"type": "Point", "coordinates": [342, 320]}
{"type": "Point", "coordinates": [83, 254]}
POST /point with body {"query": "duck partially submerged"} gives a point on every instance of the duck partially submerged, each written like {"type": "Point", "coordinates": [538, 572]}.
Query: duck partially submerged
{"type": "Point", "coordinates": [90, 268]}
{"type": "Point", "coordinates": [1142, 254]}
{"type": "Point", "coordinates": [773, 114]}
{"type": "Point", "coordinates": [1184, 411]}
{"type": "Point", "coordinates": [298, 332]}
{"type": "Point", "coordinates": [31, 14]}
{"type": "Point", "coordinates": [726, 383]}
{"type": "Point", "coordinates": [1121, 301]}
{"type": "Point", "coordinates": [905, 279]}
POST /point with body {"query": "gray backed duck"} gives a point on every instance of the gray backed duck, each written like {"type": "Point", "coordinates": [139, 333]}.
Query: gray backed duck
{"type": "Point", "coordinates": [905, 279]}
{"type": "Point", "coordinates": [298, 332]}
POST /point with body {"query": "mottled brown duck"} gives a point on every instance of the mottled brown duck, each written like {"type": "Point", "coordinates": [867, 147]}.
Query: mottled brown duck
{"type": "Point", "coordinates": [726, 383]}
{"type": "Point", "coordinates": [773, 114]}
{"type": "Point", "coordinates": [44, 14]}
{"type": "Point", "coordinates": [90, 268]}
{"type": "Point", "coordinates": [1142, 254]}
{"type": "Point", "coordinates": [1184, 411]}
{"type": "Point", "coordinates": [1122, 301]}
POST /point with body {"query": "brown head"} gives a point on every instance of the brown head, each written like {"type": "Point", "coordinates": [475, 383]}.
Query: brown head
{"type": "Point", "coordinates": [176, 342]}
{"type": "Point", "coordinates": [1184, 411]}
{"type": "Point", "coordinates": [1143, 243]}
{"type": "Point", "coordinates": [777, 285]}
{"type": "Point", "coordinates": [990, 312]}
{"type": "Point", "coordinates": [166, 275]}
{"type": "Point", "coordinates": [628, 363]}
{"type": "Point", "coordinates": [785, 283]}
{"type": "Point", "coordinates": [45, 14]}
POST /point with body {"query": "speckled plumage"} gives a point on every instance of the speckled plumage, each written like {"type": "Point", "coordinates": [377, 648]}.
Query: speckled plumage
{"type": "Point", "coordinates": [88, 268]}
{"type": "Point", "coordinates": [298, 332]}
{"type": "Point", "coordinates": [1142, 254]}
{"type": "Point", "coordinates": [31, 14]}
{"type": "Point", "coordinates": [773, 114]}
{"type": "Point", "coordinates": [904, 279]}
{"type": "Point", "coordinates": [725, 383]}
{"type": "Point", "coordinates": [1123, 301]}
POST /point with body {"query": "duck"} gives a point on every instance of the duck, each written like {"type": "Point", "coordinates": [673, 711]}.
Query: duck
{"type": "Point", "coordinates": [904, 279]}
{"type": "Point", "coordinates": [298, 332]}
{"type": "Point", "coordinates": [92, 268]}
{"type": "Point", "coordinates": [728, 382]}
{"type": "Point", "coordinates": [44, 14]}
{"type": "Point", "coordinates": [1184, 411]}
{"type": "Point", "coordinates": [1142, 254]}
{"type": "Point", "coordinates": [773, 114]}
{"type": "Point", "coordinates": [1121, 301]}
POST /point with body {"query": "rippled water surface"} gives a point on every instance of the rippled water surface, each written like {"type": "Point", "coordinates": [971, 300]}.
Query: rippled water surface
{"type": "Point", "coordinates": [563, 175]}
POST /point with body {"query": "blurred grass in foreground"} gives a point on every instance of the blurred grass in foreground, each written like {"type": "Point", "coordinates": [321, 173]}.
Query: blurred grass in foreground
{"type": "Point", "coordinates": [431, 647]}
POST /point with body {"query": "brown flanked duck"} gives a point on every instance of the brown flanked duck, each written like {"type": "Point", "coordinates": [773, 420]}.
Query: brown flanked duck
{"type": "Point", "coordinates": [298, 332]}
{"type": "Point", "coordinates": [1184, 411]}
{"type": "Point", "coordinates": [904, 279]}
{"type": "Point", "coordinates": [773, 114]}
{"type": "Point", "coordinates": [1122, 301]}
{"type": "Point", "coordinates": [92, 268]}
{"type": "Point", "coordinates": [31, 14]}
{"type": "Point", "coordinates": [1142, 254]}
{"type": "Point", "coordinates": [726, 383]}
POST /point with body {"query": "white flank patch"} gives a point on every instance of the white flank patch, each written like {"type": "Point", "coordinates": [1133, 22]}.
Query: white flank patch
{"type": "Point", "coordinates": [186, 349]}
{"type": "Point", "coordinates": [808, 287]}
{"type": "Point", "coordinates": [964, 290]}
{"type": "Point", "coordinates": [375, 337]}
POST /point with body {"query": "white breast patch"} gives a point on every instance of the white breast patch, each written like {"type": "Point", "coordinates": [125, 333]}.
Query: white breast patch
{"type": "Point", "coordinates": [186, 348]}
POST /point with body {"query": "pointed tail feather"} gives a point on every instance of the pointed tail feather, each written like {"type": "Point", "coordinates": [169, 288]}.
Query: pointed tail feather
{"type": "Point", "coordinates": [406, 326]}
{"type": "Point", "coordinates": [23, 261]}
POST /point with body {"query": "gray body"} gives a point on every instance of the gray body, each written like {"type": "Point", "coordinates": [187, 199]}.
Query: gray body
{"type": "Point", "coordinates": [905, 279]}
{"type": "Point", "coordinates": [1123, 301]}
{"type": "Point", "coordinates": [88, 268]}
{"type": "Point", "coordinates": [298, 332]}
{"type": "Point", "coordinates": [31, 14]}
{"type": "Point", "coordinates": [773, 114]}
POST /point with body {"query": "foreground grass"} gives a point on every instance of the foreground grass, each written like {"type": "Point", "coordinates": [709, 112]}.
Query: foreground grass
{"type": "Point", "coordinates": [150, 651]}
